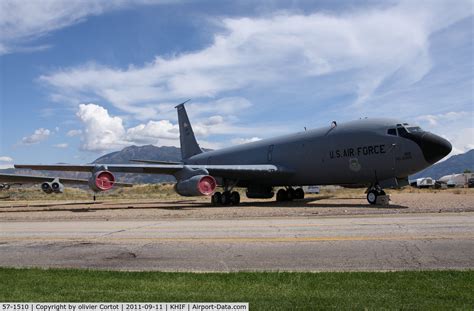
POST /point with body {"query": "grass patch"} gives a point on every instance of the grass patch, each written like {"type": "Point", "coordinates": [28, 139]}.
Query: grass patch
{"type": "Point", "coordinates": [165, 191]}
{"type": "Point", "coordinates": [439, 290]}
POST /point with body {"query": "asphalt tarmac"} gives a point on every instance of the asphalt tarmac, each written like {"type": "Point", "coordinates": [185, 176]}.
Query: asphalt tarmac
{"type": "Point", "coordinates": [355, 243]}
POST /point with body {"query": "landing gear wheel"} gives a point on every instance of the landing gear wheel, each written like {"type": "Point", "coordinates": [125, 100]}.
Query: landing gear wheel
{"type": "Point", "coordinates": [216, 198]}
{"type": "Point", "coordinates": [282, 195]}
{"type": "Point", "coordinates": [372, 196]}
{"type": "Point", "coordinates": [299, 194]}
{"type": "Point", "coordinates": [225, 199]}
{"type": "Point", "coordinates": [235, 198]}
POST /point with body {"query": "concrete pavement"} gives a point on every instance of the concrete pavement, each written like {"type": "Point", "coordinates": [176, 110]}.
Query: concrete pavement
{"type": "Point", "coordinates": [391, 242]}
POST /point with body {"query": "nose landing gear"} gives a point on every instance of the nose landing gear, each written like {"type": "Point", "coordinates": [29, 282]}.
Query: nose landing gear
{"type": "Point", "coordinates": [373, 193]}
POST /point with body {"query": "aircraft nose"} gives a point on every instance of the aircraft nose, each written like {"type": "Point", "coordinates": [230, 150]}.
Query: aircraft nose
{"type": "Point", "coordinates": [435, 147]}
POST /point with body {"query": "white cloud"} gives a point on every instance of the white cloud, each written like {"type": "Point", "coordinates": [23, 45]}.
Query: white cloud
{"type": "Point", "coordinates": [5, 159]}
{"type": "Point", "coordinates": [21, 22]}
{"type": "Point", "coordinates": [152, 131]}
{"type": "Point", "coordinates": [225, 106]}
{"type": "Point", "coordinates": [101, 131]}
{"type": "Point", "coordinates": [105, 132]}
{"type": "Point", "coordinates": [219, 125]}
{"type": "Point", "coordinates": [434, 120]}
{"type": "Point", "coordinates": [62, 145]}
{"type": "Point", "coordinates": [462, 140]}
{"type": "Point", "coordinates": [368, 46]}
{"type": "Point", "coordinates": [6, 162]}
{"type": "Point", "coordinates": [39, 135]}
{"type": "Point", "coordinates": [239, 141]}
{"type": "Point", "coordinates": [73, 133]}
{"type": "Point", "coordinates": [214, 120]}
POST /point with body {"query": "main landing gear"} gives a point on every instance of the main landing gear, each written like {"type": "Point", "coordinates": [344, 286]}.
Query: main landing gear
{"type": "Point", "coordinates": [289, 194]}
{"type": "Point", "coordinates": [373, 193]}
{"type": "Point", "coordinates": [225, 198]}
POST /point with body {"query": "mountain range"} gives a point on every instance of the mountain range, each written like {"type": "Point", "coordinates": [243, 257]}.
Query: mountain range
{"type": "Point", "coordinates": [453, 165]}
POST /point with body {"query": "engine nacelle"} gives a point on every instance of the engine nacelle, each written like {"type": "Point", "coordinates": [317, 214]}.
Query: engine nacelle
{"type": "Point", "coordinates": [46, 187]}
{"type": "Point", "coordinates": [57, 187]}
{"type": "Point", "coordinates": [101, 181]}
{"type": "Point", "coordinates": [196, 186]}
{"type": "Point", "coordinates": [52, 187]}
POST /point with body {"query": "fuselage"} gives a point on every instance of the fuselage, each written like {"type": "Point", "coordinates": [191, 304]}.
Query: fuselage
{"type": "Point", "coordinates": [365, 151]}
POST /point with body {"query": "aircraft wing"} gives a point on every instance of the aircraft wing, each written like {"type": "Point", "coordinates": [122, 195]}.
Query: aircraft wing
{"type": "Point", "coordinates": [30, 179]}
{"type": "Point", "coordinates": [228, 171]}
{"type": "Point", "coordinates": [154, 161]}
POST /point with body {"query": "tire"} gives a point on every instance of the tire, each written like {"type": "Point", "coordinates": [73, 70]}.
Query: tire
{"type": "Point", "coordinates": [235, 198]}
{"type": "Point", "coordinates": [372, 196]}
{"type": "Point", "coordinates": [216, 198]}
{"type": "Point", "coordinates": [225, 198]}
{"type": "Point", "coordinates": [299, 194]}
{"type": "Point", "coordinates": [282, 195]}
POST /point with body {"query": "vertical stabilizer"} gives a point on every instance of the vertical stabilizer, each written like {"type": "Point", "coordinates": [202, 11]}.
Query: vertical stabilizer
{"type": "Point", "coordinates": [189, 145]}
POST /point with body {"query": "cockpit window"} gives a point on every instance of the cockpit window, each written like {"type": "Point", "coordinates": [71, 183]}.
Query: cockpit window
{"type": "Point", "coordinates": [414, 129]}
{"type": "Point", "coordinates": [392, 132]}
{"type": "Point", "coordinates": [402, 131]}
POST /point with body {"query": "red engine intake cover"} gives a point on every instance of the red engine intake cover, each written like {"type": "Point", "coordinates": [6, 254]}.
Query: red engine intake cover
{"type": "Point", "coordinates": [207, 185]}
{"type": "Point", "coordinates": [104, 180]}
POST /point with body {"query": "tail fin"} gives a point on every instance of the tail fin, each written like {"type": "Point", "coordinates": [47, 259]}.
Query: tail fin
{"type": "Point", "coordinates": [189, 145]}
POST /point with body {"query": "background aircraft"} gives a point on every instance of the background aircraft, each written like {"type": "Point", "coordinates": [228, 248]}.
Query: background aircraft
{"type": "Point", "coordinates": [377, 153]}
{"type": "Point", "coordinates": [56, 185]}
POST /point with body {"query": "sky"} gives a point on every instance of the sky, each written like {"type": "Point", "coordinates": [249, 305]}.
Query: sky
{"type": "Point", "coordinates": [82, 78]}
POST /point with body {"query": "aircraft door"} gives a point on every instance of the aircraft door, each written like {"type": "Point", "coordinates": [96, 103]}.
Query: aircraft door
{"type": "Point", "coordinates": [270, 153]}
{"type": "Point", "coordinates": [393, 149]}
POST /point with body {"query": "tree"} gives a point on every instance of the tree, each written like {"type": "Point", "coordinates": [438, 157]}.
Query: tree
{"type": "Point", "coordinates": [467, 171]}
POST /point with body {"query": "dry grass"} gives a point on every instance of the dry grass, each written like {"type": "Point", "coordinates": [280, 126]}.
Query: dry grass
{"type": "Point", "coordinates": [155, 191]}
{"type": "Point", "coordinates": [165, 191]}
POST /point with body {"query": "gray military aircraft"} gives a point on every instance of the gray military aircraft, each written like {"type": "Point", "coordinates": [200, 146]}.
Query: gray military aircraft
{"type": "Point", "coordinates": [377, 153]}
{"type": "Point", "coordinates": [56, 185]}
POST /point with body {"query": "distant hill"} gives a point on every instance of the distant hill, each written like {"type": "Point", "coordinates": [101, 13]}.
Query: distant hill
{"type": "Point", "coordinates": [148, 152]}
{"type": "Point", "coordinates": [454, 165]}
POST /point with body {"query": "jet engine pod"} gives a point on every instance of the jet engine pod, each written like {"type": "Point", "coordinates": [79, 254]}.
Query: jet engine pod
{"type": "Point", "coordinates": [196, 186]}
{"type": "Point", "coordinates": [102, 181]}
{"type": "Point", "coordinates": [46, 187]}
{"type": "Point", "coordinates": [57, 187]}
